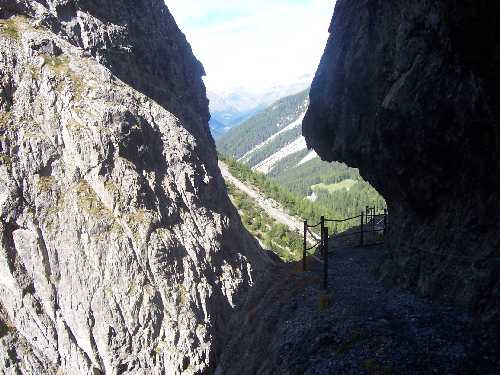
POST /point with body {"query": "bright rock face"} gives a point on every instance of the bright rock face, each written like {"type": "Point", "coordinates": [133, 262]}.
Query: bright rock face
{"type": "Point", "coordinates": [120, 250]}
{"type": "Point", "coordinates": [408, 92]}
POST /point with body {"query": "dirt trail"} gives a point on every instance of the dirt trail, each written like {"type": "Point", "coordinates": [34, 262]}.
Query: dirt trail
{"type": "Point", "coordinates": [359, 326]}
{"type": "Point", "coordinates": [270, 206]}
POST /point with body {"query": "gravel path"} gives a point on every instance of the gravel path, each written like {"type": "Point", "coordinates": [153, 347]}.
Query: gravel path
{"type": "Point", "coordinates": [359, 327]}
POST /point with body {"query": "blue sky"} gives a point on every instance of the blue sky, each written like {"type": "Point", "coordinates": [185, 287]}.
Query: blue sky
{"type": "Point", "coordinates": [254, 44]}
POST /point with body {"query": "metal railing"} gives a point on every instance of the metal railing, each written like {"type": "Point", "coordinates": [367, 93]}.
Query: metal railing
{"type": "Point", "coordinates": [371, 227]}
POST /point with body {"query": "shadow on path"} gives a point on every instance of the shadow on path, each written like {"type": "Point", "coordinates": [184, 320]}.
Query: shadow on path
{"type": "Point", "coordinates": [358, 326]}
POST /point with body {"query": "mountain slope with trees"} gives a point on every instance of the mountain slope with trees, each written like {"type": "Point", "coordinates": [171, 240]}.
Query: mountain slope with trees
{"type": "Point", "coordinates": [269, 150]}
{"type": "Point", "coordinates": [260, 127]}
{"type": "Point", "coordinates": [338, 204]}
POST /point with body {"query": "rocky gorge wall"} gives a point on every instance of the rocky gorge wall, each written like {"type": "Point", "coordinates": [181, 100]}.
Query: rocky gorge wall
{"type": "Point", "coordinates": [120, 250]}
{"type": "Point", "coordinates": [407, 92]}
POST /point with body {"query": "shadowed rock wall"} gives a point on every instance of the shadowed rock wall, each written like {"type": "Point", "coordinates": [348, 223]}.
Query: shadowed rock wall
{"type": "Point", "coordinates": [408, 93]}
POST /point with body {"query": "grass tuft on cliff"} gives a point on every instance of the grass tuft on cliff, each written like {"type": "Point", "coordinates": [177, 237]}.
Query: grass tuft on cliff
{"type": "Point", "coordinates": [4, 119]}
{"type": "Point", "coordinates": [10, 28]}
{"type": "Point", "coordinates": [60, 66]}
{"type": "Point", "coordinates": [6, 160]}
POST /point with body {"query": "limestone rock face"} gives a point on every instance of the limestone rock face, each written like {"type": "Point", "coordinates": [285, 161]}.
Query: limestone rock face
{"type": "Point", "coordinates": [407, 92]}
{"type": "Point", "coordinates": [120, 250]}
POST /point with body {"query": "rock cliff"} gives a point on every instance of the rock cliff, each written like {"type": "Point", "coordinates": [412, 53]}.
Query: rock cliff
{"type": "Point", "coordinates": [120, 250]}
{"type": "Point", "coordinates": [407, 92]}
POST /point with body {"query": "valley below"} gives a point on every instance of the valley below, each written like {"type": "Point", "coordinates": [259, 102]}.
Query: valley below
{"type": "Point", "coordinates": [267, 160]}
{"type": "Point", "coordinates": [271, 207]}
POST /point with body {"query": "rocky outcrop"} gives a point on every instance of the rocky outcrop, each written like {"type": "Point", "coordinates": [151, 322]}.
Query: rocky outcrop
{"type": "Point", "coordinates": [407, 92]}
{"type": "Point", "coordinates": [120, 250]}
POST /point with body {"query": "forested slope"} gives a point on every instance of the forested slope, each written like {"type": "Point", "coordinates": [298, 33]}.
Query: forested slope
{"type": "Point", "coordinates": [241, 139]}
{"type": "Point", "coordinates": [271, 143]}
{"type": "Point", "coordinates": [331, 204]}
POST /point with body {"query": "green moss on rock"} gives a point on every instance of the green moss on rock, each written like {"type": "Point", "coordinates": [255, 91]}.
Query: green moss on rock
{"type": "Point", "coordinates": [89, 201]}
{"type": "Point", "coordinates": [46, 183]}
{"type": "Point", "coordinates": [6, 160]}
{"type": "Point", "coordinates": [4, 118]}
{"type": "Point", "coordinates": [10, 28]}
{"type": "Point", "coordinates": [60, 66]}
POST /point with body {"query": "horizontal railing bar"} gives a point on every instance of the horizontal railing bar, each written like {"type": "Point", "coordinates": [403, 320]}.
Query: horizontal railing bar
{"type": "Point", "coordinates": [342, 220]}
{"type": "Point", "coordinates": [314, 226]}
{"type": "Point", "coordinates": [312, 247]}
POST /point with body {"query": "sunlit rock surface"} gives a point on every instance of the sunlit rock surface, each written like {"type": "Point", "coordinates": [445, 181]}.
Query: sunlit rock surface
{"type": "Point", "coordinates": [408, 92]}
{"type": "Point", "coordinates": [120, 250]}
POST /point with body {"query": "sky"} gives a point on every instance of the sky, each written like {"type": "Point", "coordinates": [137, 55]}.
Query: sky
{"type": "Point", "coordinates": [254, 44]}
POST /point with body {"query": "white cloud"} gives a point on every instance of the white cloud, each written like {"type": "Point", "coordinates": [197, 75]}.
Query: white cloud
{"type": "Point", "coordinates": [254, 44]}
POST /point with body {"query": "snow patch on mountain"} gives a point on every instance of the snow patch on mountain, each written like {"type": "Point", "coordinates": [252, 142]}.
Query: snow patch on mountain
{"type": "Point", "coordinates": [310, 156]}
{"type": "Point", "coordinates": [267, 165]}
{"type": "Point", "coordinates": [289, 127]}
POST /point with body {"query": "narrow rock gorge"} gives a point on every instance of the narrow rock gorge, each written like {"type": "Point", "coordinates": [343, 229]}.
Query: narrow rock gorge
{"type": "Point", "coordinates": [407, 92]}
{"type": "Point", "coordinates": [121, 253]}
{"type": "Point", "coordinates": [120, 250]}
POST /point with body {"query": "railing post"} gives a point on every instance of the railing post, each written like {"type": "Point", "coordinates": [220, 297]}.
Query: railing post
{"type": "Point", "coordinates": [304, 253]}
{"type": "Point", "coordinates": [385, 222]}
{"type": "Point", "coordinates": [325, 258]}
{"type": "Point", "coordinates": [373, 218]}
{"type": "Point", "coordinates": [362, 240]}
{"type": "Point", "coordinates": [321, 232]}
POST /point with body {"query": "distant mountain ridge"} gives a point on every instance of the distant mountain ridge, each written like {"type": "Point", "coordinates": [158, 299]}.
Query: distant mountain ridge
{"type": "Point", "coordinates": [235, 107]}
{"type": "Point", "coordinates": [278, 124]}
